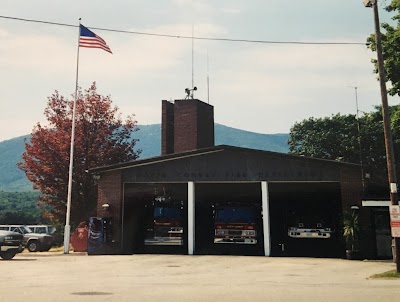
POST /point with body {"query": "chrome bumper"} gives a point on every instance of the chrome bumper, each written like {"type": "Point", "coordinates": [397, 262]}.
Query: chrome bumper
{"type": "Point", "coordinates": [164, 241]}
{"type": "Point", "coordinates": [5, 248]}
{"type": "Point", "coordinates": [236, 240]}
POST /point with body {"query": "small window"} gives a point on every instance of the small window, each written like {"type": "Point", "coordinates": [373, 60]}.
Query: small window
{"type": "Point", "coordinates": [25, 230]}
{"type": "Point", "coordinates": [52, 230]}
{"type": "Point", "coordinates": [16, 229]}
{"type": "Point", "coordinates": [40, 230]}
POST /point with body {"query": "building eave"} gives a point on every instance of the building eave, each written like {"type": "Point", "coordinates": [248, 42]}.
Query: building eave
{"type": "Point", "coordinates": [210, 150]}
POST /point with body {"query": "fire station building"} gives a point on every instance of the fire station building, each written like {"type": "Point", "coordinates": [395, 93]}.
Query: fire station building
{"type": "Point", "coordinates": [290, 193]}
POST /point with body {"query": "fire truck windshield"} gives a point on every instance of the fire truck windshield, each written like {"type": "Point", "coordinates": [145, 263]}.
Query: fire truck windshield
{"type": "Point", "coordinates": [235, 215]}
{"type": "Point", "coordinates": [168, 212]}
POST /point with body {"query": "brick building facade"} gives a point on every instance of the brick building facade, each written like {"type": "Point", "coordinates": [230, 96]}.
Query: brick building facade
{"type": "Point", "coordinates": [192, 168]}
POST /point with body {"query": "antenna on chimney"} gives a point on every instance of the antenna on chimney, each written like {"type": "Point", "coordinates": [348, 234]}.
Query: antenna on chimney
{"type": "Point", "coordinates": [208, 82]}
{"type": "Point", "coordinates": [192, 58]}
{"type": "Point", "coordinates": [190, 92]}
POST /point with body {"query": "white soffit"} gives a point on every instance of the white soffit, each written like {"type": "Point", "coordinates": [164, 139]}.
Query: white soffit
{"type": "Point", "coordinates": [376, 203]}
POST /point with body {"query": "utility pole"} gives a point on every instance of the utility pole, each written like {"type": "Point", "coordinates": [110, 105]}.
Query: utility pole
{"type": "Point", "coordinates": [386, 121]}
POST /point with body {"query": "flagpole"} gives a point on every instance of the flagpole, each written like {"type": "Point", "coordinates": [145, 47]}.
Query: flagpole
{"type": "Point", "coordinates": [67, 229]}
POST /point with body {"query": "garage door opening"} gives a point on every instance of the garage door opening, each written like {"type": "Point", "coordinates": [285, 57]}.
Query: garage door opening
{"type": "Point", "coordinates": [228, 219]}
{"type": "Point", "coordinates": [155, 218]}
{"type": "Point", "coordinates": [305, 219]}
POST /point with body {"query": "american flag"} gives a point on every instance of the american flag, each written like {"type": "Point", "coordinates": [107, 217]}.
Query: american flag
{"type": "Point", "coordinates": [89, 39]}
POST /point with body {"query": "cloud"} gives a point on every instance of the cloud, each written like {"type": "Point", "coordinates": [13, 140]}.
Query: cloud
{"type": "Point", "coordinates": [272, 69]}
{"type": "Point", "coordinates": [4, 33]}
{"type": "Point", "coordinates": [140, 56]}
{"type": "Point", "coordinates": [194, 7]}
{"type": "Point", "coordinates": [34, 52]}
{"type": "Point", "coordinates": [182, 2]}
{"type": "Point", "coordinates": [231, 10]}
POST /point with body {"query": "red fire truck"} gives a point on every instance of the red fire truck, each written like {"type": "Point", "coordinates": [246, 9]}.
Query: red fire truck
{"type": "Point", "coordinates": [165, 226]}
{"type": "Point", "coordinates": [235, 223]}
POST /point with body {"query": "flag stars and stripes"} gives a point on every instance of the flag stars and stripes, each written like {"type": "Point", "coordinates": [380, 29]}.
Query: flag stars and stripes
{"type": "Point", "coordinates": [89, 39]}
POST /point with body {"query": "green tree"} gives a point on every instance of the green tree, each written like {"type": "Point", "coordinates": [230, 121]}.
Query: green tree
{"type": "Point", "coordinates": [337, 138]}
{"type": "Point", "coordinates": [328, 138]}
{"type": "Point", "coordinates": [390, 48]}
{"type": "Point", "coordinates": [101, 138]}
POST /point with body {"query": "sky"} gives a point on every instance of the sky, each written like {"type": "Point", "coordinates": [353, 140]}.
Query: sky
{"type": "Point", "coordinates": [258, 87]}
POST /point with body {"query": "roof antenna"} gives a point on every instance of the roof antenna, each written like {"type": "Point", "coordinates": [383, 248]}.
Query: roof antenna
{"type": "Point", "coordinates": [192, 58]}
{"type": "Point", "coordinates": [190, 92]}
{"type": "Point", "coordinates": [359, 137]}
{"type": "Point", "coordinates": [208, 81]}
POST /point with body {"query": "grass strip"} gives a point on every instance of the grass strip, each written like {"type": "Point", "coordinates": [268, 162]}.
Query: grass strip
{"type": "Point", "coordinates": [387, 275]}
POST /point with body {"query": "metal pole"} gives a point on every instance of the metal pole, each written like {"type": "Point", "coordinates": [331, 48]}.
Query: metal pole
{"type": "Point", "coordinates": [208, 81]}
{"type": "Point", "coordinates": [191, 211]}
{"type": "Point", "coordinates": [386, 123]}
{"type": "Point", "coordinates": [192, 61]}
{"type": "Point", "coordinates": [359, 138]}
{"type": "Point", "coordinates": [67, 229]}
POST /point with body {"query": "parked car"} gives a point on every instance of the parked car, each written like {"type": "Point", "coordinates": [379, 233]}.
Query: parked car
{"type": "Point", "coordinates": [42, 229]}
{"type": "Point", "coordinates": [34, 242]}
{"type": "Point", "coordinates": [58, 237]}
{"type": "Point", "coordinates": [11, 243]}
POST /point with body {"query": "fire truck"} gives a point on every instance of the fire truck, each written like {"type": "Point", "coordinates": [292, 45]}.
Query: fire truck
{"type": "Point", "coordinates": [310, 231]}
{"type": "Point", "coordinates": [309, 226]}
{"type": "Point", "coordinates": [165, 226]}
{"type": "Point", "coordinates": [235, 223]}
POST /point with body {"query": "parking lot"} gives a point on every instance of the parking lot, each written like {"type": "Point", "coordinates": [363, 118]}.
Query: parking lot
{"type": "Point", "coordinates": [78, 277]}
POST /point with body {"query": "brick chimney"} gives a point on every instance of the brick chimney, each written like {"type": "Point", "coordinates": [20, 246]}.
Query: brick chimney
{"type": "Point", "coordinates": [186, 125]}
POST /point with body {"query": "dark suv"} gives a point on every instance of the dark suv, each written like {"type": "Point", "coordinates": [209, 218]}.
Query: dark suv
{"type": "Point", "coordinates": [11, 243]}
{"type": "Point", "coordinates": [33, 242]}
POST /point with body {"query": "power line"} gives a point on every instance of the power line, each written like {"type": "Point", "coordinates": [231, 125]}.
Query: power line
{"type": "Point", "coordinates": [189, 37]}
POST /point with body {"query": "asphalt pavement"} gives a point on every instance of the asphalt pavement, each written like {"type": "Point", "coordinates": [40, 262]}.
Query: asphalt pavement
{"type": "Point", "coordinates": [79, 277]}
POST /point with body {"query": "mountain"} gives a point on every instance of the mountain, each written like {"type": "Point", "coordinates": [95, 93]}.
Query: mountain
{"type": "Point", "coordinates": [241, 138]}
{"type": "Point", "coordinates": [13, 179]}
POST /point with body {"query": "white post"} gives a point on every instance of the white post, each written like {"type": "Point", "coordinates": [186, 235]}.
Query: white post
{"type": "Point", "coordinates": [67, 228]}
{"type": "Point", "coordinates": [191, 217]}
{"type": "Point", "coordinates": [265, 212]}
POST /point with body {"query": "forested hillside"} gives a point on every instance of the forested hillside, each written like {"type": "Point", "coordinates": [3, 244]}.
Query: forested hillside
{"type": "Point", "coordinates": [14, 180]}
{"type": "Point", "coordinates": [19, 208]}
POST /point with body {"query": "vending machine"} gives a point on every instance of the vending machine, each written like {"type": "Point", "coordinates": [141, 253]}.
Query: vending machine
{"type": "Point", "coordinates": [100, 236]}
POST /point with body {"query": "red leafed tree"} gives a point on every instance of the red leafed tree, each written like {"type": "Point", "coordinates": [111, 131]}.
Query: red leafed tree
{"type": "Point", "coordinates": [101, 138]}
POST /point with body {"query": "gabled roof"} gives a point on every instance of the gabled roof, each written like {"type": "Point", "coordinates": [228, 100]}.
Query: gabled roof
{"type": "Point", "coordinates": [203, 151]}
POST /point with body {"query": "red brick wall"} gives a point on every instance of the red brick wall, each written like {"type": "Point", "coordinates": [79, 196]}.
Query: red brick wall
{"type": "Point", "coordinates": [352, 191]}
{"type": "Point", "coordinates": [351, 187]}
{"type": "Point", "coordinates": [205, 125]}
{"type": "Point", "coordinates": [194, 125]}
{"type": "Point", "coordinates": [185, 121]}
{"type": "Point", "coordinates": [110, 191]}
{"type": "Point", "coordinates": [167, 128]}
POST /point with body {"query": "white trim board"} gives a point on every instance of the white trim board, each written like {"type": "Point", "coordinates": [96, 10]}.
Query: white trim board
{"type": "Point", "coordinates": [376, 203]}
